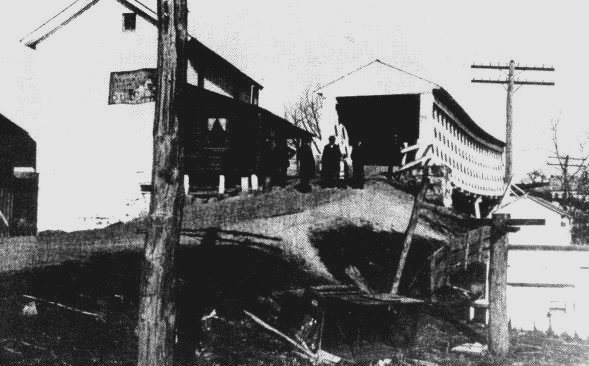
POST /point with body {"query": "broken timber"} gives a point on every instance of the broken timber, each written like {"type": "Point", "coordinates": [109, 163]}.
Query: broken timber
{"type": "Point", "coordinates": [410, 230]}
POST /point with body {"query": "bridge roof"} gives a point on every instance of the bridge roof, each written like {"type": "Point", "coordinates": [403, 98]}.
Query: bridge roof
{"type": "Point", "coordinates": [380, 78]}
{"type": "Point", "coordinates": [444, 97]}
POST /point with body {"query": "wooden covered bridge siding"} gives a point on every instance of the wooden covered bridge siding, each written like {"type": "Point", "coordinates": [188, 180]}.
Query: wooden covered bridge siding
{"type": "Point", "coordinates": [406, 130]}
{"type": "Point", "coordinates": [475, 157]}
{"type": "Point", "coordinates": [472, 247]}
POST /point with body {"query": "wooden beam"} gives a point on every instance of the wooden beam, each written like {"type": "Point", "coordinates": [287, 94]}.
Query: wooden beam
{"type": "Point", "coordinates": [409, 148]}
{"type": "Point", "coordinates": [506, 67]}
{"type": "Point", "coordinates": [413, 219]}
{"type": "Point", "coordinates": [515, 222]}
{"type": "Point", "coordinates": [466, 249]}
{"type": "Point", "coordinates": [156, 323]}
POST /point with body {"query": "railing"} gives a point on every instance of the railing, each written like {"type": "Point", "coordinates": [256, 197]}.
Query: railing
{"type": "Point", "coordinates": [470, 248]}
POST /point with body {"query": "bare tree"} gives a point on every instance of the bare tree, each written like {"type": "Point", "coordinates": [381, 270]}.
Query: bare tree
{"type": "Point", "coordinates": [537, 176]}
{"type": "Point", "coordinates": [305, 113]}
{"type": "Point", "coordinates": [573, 170]}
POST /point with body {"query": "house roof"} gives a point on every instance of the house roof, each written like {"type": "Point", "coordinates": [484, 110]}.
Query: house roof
{"type": "Point", "coordinates": [385, 79]}
{"type": "Point", "coordinates": [78, 7]}
{"type": "Point", "coordinates": [211, 98]}
{"type": "Point", "coordinates": [540, 201]}
{"type": "Point", "coordinates": [385, 66]}
{"type": "Point", "coordinates": [7, 127]}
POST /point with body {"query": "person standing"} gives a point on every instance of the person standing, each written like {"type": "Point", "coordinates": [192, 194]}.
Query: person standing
{"type": "Point", "coordinates": [330, 163]}
{"type": "Point", "coordinates": [358, 165]}
{"type": "Point", "coordinates": [282, 155]}
{"type": "Point", "coordinates": [306, 166]}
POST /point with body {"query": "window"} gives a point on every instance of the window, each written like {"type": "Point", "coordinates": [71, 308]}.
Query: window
{"type": "Point", "coordinates": [129, 21]}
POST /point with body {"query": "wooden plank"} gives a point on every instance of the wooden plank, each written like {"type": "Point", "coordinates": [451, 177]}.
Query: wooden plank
{"type": "Point", "coordinates": [300, 347]}
{"type": "Point", "coordinates": [412, 164]}
{"type": "Point", "coordinates": [540, 285]}
{"type": "Point", "coordinates": [517, 222]}
{"type": "Point", "coordinates": [466, 247]}
{"type": "Point", "coordinates": [434, 268]}
{"type": "Point", "coordinates": [409, 148]}
{"type": "Point", "coordinates": [354, 274]}
{"type": "Point", "coordinates": [481, 244]}
{"type": "Point", "coordinates": [551, 248]}
{"type": "Point", "coordinates": [394, 299]}
{"type": "Point", "coordinates": [413, 219]}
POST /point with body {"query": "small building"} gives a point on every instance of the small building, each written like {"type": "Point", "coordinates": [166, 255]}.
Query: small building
{"type": "Point", "coordinates": [18, 180]}
{"type": "Point", "coordinates": [547, 276]}
{"type": "Point", "coordinates": [555, 232]}
{"type": "Point", "coordinates": [96, 110]}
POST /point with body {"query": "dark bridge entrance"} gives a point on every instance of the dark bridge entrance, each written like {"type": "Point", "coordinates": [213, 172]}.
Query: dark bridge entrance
{"type": "Point", "coordinates": [383, 123]}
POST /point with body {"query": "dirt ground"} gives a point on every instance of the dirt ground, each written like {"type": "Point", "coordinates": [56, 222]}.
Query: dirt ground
{"type": "Point", "coordinates": [104, 334]}
{"type": "Point", "coordinates": [86, 311]}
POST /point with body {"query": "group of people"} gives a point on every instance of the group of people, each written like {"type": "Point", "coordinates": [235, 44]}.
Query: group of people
{"type": "Point", "coordinates": [330, 165]}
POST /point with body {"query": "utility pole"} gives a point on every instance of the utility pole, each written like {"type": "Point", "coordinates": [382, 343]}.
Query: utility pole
{"type": "Point", "coordinates": [511, 82]}
{"type": "Point", "coordinates": [498, 330]}
{"type": "Point", "coordinates": [157, 313]}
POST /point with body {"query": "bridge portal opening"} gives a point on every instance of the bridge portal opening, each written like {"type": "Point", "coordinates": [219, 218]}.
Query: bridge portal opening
{"type": "Point", "coordinates": [382, 122]}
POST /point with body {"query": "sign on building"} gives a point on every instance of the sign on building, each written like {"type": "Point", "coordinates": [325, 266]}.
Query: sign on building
{"type": "Point", "coordinates": [132, 87]}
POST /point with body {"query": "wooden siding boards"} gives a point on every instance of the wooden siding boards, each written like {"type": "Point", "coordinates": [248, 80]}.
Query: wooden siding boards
{"type": "Point", "coordinates": [206, 61]}
{"type": "Point", "coordinates": [246, 126]}
{"type": "Point", "coordinates": [18, 197]}
{"type": "Point", "coordinates": [451, 106]}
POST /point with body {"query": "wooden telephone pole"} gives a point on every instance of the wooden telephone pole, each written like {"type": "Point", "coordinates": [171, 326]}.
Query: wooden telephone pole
{"type": "Point", "coordinates": [498, 331]}
{"type": "Point", "coordinates": [157, 313]}
{"type": "Point", "coordinates": [511, 82]}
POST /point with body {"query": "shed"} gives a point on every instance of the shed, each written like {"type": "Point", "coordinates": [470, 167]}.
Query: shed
{"type": "Point", "coordinates": [556, 231]}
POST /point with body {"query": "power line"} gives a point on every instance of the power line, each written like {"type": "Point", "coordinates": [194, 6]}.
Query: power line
{"type": "Point", "coordinates": [511, 82]}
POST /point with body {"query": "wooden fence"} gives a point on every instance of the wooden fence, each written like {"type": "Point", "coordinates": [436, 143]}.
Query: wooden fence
{"type": "Point", "coordinates": [469, 248]}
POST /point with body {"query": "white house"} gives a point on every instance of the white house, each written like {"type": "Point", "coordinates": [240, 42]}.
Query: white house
{"type": "Point", "coordinates": [547, 276]}
{"type": "Point", "coordinates": [556, 231]}
{"type": "Point", "coordinates": [93, 156]}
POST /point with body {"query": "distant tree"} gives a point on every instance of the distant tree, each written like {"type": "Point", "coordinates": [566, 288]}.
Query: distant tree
{"type": "Point", "coordinates": [573, 170]}
{"type": "Point", "coordinates": [305, 113]}
{"type": "Point", "coordinates": [573, 177]}
{"type": "Point", "coordinates": [537, 176]}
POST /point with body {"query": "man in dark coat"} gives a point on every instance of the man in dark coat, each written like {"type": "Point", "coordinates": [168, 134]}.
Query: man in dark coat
{"type": "Point", "coordinates": [330, 163]}
{"type": "Point", "coordinates": [306, 166]}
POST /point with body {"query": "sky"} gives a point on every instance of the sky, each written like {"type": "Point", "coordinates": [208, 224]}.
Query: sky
{"type": "Point", "coordinates": [289, 46]}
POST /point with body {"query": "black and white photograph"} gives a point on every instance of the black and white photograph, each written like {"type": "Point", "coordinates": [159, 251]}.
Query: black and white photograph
{"type": "Point", "coordinates": [294, 183]}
